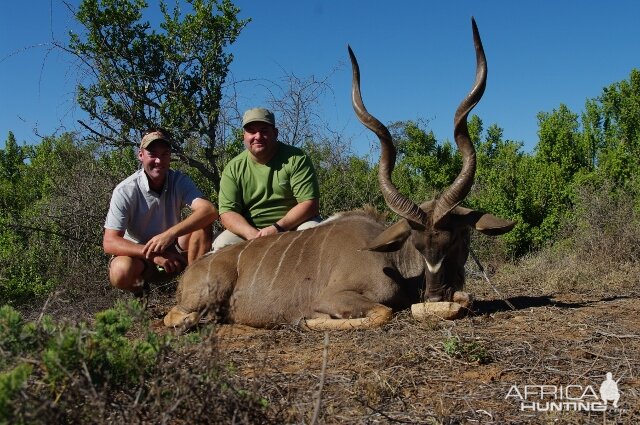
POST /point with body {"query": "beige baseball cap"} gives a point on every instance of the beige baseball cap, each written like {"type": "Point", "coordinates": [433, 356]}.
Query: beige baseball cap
{"type": "Point", "coordinates": [258, 114]}
{"type": "Point", "coordinates": [152, 137]}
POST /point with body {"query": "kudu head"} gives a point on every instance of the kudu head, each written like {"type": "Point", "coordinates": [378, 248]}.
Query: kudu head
{"type": "Point", "coordinates": [439, 228]}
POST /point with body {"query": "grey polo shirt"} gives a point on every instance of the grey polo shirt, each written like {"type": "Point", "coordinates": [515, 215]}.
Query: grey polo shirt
{"type": "Point", "coordinates": [141, 212]}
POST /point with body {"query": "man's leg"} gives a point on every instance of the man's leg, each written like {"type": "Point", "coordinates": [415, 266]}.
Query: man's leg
{"type": "Point", "coordinates": [309, 224]}
{"type": "Point", "coordinates": [224, 239]}
{"type": "Point", "coordinates": [228, 238]}
{"type": "Point", "coordinates": [131, 274]}
{"type": "Point", "coordinates": [196, 244]}
{"type": "Point", "coordinates": [126, 273]}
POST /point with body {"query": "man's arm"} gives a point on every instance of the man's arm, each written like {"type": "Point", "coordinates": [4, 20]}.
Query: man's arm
{"type": "Point", "coordinates": [114, 243]}
{"type": "Point", "coordinates": [297, 215]}
{"type": "Point", "coordinates": [236, 223]}
{"type": "Point", "coordinates": [203, 213]}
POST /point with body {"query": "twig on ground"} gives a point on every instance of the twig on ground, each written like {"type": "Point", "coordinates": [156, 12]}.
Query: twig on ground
{"type": "Point", "coordinates": [473, 255]}
{"type": "Point", "coordinates": [44, 307]}
{"type": "Point", "coordinates": [318, 397]}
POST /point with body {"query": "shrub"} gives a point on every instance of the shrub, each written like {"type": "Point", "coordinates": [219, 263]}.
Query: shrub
{"type": "Point", "coordinates": [10, 383]}
{"type": "Point", "coordinates": [466, 351]}
{"type": "Point", "coordinates": [116, 370]}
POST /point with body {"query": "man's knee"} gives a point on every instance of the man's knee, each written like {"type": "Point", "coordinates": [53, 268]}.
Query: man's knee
{"type": "Point", "coordinates": [309, 224]}
{"type": "Point", "coordinates": [195, 244]}
{"type": "Point", "coordinates": [225, 238]}
{"type": "Point", "coordinates": [126, 273]}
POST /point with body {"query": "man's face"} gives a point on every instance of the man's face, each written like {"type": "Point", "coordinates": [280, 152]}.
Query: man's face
{"type": "Point", "coordinates": [260, 139]}
{"type": "Point", "coordinates": [156, 159]}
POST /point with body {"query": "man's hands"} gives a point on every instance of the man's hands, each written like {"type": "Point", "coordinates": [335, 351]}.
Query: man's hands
{"type": "Point", "coordinates": [270, 230]}
{"type": "Point", "coordinates": [158, 244]}
{"type": "Point", "coordinates": [170, 261]}
{"type": "Point", "coordinates": [160, 250]}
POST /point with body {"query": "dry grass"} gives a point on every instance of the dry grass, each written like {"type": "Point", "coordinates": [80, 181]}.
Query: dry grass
{"type": "Point", "coordinates": [404, 372]}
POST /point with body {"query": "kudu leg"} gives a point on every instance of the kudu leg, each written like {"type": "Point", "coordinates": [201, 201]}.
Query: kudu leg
{"type": "Point", "coordinates": [177, 318]}
{"type": "Point", "coordinates": [347, 310]}
{"type": "Point", "coordinates": [205, 287]}
{"type": "Point", "coordinates": [376, 317]}
{"type": "Point", "coordinates": [465, 299]}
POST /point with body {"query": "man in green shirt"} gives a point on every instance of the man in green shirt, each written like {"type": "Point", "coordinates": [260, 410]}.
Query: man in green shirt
{"type": "Point", "coordinates": [270, 187]}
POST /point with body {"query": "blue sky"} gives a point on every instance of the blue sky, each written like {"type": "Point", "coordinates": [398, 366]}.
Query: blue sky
{"type": "Point", "coordinates": [416, 59]}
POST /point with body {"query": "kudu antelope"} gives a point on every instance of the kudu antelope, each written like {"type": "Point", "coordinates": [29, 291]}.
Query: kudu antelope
{"type": "Point", "coordinates": [350, 271]}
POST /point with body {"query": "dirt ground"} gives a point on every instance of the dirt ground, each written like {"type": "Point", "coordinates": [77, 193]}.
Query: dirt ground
{"type": "Point", "coordinates": [489, 367]}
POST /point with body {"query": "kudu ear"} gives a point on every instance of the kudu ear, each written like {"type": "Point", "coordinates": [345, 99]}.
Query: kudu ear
{"type": "Point", "coordinates": [485, 223]}
{"type": "Point", "coordinates": [391, 239]}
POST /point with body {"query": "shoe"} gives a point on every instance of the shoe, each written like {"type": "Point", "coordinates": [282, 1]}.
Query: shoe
{"type": "Point", "coordinates": [143, 295]}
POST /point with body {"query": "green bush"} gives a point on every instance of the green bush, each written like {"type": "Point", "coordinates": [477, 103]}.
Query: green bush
{"type": "Point", "coordinates": [115, 357]}
{"type": "Point", "coordinates": [10, 328]}
{"type": "Point", "coordinates": [106, 353]}
{"type": "Point", "coordinates": [11, 382]}
{"type": "Point", "coordinates": [467, 351]}
{"type": "Point", "coordinates": [115, 370]}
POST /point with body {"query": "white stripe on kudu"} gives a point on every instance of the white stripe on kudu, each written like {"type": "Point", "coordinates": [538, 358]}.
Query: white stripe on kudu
{"type": "Point", "coordinates": [240, 256]}
{"type": "Point", "coordinates": [282, 257]}
{"type": "Point", "coordinates": [324, 241]}
{"type": "Point", "coordinates": [255, 271]}
{"type": "Point", "coordinates": [303, 250]}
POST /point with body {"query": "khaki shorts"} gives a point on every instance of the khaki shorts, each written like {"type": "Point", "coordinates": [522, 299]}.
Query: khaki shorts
{"type": "Point", "coordinates": [153, 273]}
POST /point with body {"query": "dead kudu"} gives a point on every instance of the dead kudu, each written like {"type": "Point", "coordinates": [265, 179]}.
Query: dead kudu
{"type": "Point", "coordinates": [351, 271]}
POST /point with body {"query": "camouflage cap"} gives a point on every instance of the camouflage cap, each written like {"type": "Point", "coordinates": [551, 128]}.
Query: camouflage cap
{"type": "Point", "coordinates": [152, 137]}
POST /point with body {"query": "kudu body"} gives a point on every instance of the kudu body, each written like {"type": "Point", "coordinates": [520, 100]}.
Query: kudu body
{"type": "Point", "coordinates": [350, 271]}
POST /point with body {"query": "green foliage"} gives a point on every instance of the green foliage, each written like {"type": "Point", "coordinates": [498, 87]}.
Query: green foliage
{"type": "Point", "coordinates": [424, 166]}
{"type": "Point", "coordinates": [119, 163]}
{"type": "Point", "coordinates": [145, 77]}
{"type": "Point", "coordinates": [346, 181]}
{"type": "Point", "coordinates": [106, 353]}
{"type": "Point", "coordinates": [534, 190]}
{"type": "Point", "coordinates": [224, 154]}
{"type": "Point", "coordinates": [54, 187]}
{"type": "Point", "coordinates": [10, 328]}
{"type": "Point", "coordinates": [560, 142]}
{"type": "Point", "coordinates": [22, 277]}
{"type": "Point", "coordinates": [76, 373]}
{"type": "Point", "coordinates": [500, 167]}
{"type": "Point", "coordinates": [114, 355]}
{"type": "Point", "coordinates": [11, 382]}
{"type": "Point", "coordinates": [613, 123]}
{"type": "Point", "coordinates": [12, 164]}
{"type": "Point", "coordinates": [63, 354]}
{"type": "Point", "coordinates": [538, 201]}
{"type": "Point", "coordinates": [473, 351]}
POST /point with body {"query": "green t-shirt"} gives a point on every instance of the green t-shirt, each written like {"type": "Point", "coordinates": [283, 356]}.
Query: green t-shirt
{"type": "Point", "coordinates": [263, 194]}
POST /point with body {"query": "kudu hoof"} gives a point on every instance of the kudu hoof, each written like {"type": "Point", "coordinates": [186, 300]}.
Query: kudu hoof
{"type": "Point", "coordinates": [446, 310]}
{"type": "Point", "coordinates": [180, 320]}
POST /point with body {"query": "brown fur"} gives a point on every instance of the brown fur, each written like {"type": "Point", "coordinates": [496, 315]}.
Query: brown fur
{"type": "Point", "coordinates": [367, 211]}
{"type": "Point", "coordinates": [312, 274]}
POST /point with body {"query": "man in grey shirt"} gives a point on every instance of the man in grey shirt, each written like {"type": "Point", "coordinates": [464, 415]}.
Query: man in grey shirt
{"type": "Point", "coordinates": [143, 231]}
